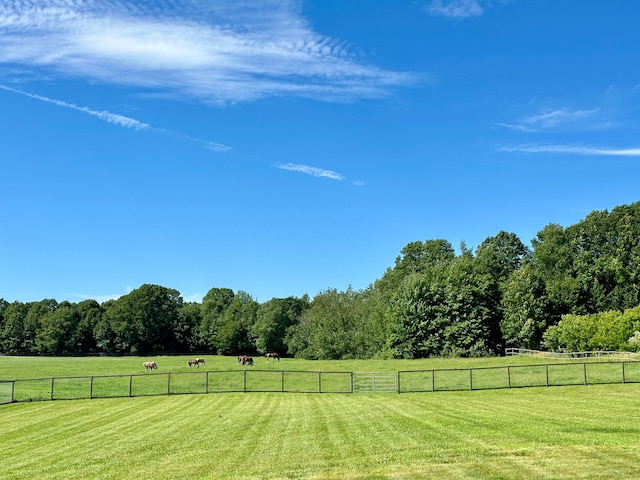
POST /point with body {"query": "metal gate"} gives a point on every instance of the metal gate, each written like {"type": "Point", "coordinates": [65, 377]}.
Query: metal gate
{"type": "Point", "coordinates": [375, 382]}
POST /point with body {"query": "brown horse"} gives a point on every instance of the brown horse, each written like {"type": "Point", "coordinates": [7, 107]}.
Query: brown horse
{"type": "Point", "coordinates": [245, 360]}
{"type": "Point", "coordinates": [200, 361]}
{"type": "Point", "coordinates": [193, 363]}
{"type": "Point", "coordinates": [150, 365]}
{"type": "Point", "coordinates": [273, 355]}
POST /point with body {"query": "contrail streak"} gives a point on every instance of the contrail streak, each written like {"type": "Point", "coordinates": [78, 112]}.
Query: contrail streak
{"type": "Point", "coordinates": [121, 120]}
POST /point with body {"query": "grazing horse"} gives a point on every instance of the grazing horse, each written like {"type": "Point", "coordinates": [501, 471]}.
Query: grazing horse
{"type": "Point", "coordinates": [245, 360]}
{"type": "Point", "coordinates": [150, 365]}
{"type": "Point", "coordinates": [200, 361]}
{"type": "Point", "coordinates": [273, 355]}
{"type": "Point", "coordinates": [194, 363]}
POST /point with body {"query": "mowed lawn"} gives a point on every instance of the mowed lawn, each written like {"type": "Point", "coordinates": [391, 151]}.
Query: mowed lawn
{"type": "Point", "coordinates": [547, 432]}
{"type": "Point", "coordinates": [558, 432]}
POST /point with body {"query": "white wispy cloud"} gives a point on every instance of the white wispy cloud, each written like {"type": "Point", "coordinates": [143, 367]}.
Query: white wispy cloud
{"type": "Point", "coordinates": [206, 144]}
{"type": "Point", "coordinates": [563, 119]}
{"type": "Point", "coordinates": [454, 8]}
{"type": "Point", "coordinates": [122, 120]}
{"type": "Point", "coordinates": [573, 149]}
{"type": "Point", "coordinates": [109, 117]}
{"type": "Point", "coordinates": [219, 52]}
{"type": "Point", "coordinates": [313, 171]}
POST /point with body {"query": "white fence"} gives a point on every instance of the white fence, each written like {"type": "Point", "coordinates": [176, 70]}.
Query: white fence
{"type": "Point", "coordinates": [598, 355]}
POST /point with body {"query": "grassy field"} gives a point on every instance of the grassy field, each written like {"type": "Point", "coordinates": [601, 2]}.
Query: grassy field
{"type": "Point", "coordinates": [36, 367]}
{"type": "Point", "coordinates": [39, 378]}
{"type": "Point", "coordinates": [573, 432]}
{"type": "Point", "coordinates": [567, 432]}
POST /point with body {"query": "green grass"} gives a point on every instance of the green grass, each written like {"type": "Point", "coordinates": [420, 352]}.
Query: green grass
{"type": "Point", "coordinates": [561, 433]}
{"type": "Point", "coordinates": [34, 367]}
{"type": "Point", "coordinates": [40, 378]}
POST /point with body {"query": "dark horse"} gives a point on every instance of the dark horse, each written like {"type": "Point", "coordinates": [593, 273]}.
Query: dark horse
{"type": "Point", "coordinates": [245, 360]}
{"type": "Point", "coordinates": [193, 362]}
{"type": "Point", "coordinates": [273, 355]}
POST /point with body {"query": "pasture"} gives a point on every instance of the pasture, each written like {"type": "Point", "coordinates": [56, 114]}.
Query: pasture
{"type": "Point", "coordinates": [12, 367]}
{"type": "Point", "coordinates": [559, 432]}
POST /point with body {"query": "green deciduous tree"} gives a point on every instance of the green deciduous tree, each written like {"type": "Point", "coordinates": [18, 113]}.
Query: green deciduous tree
{"type": "Point", "coordinates": [611, 330]}
{"type": "Point", "coordinates": [12, 337]}
{"type": "Point", "coordinates": [214, 303]}
{"type": "Point", "coordinates": [273, 320]}
{"type": "Point", "coordinates": [333, 327]}
{"type": "Point", "coordinates": [502, 255]}
{"type": "Point", "coordinates": [143, 320]}
{"type": "Point", "coordinates": [58, 331]}
{"type": "Point", "coordinates": [235, 324]}
{"type": "Point", "coordinates": [526, 309]}
{"type": "Point", "coordinates": [187, 330]}
{"type": "Point", "coordinates": [417, 257]}
{"type": "Point", "coordinates": [447, 310]}
{"type": "Point", "coordinates": [553, 258]}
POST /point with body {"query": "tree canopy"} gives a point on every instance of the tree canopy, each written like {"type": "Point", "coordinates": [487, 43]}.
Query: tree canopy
{"type": "Point", "coordinates": [575, 287]}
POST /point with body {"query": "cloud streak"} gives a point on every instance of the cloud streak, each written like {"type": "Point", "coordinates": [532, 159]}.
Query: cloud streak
{"type": "Point", "coordinates": [454, 8]}
{"type": "Point", "coordinates": [561, 119]}
{"type": "Point", "coordinates": [109, 117]}
{"type": "Point", "coordinates": [218, 52]}
{"type": "Point", "coordinates": [313, 171]}
{"type": "Point", "coordinates": [574, 150]}
{"type": "Point", "coordinates": [121, 120]}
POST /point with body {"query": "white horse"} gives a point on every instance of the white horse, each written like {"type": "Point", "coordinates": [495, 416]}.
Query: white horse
{"type": "Point", "coordinates": [150, 365]}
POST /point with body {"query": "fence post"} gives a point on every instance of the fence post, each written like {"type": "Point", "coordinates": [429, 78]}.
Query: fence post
{"type": "Point", "coordinates": [52, 379]}
{"type": "Point", "coordinates": [282, 381]}
{"type": "Point", "coordinates": [319, 382]}
{"type": "Point", "coordinates": [471, 379]}
{"type": "Point", "coordinates": [131, 385]}
{"type": "Point", "coordinates": [398, 383]}
{"type": "Point", "coordinates": [433, 380]}
{"type": "Point", "coordinates": [351, 382]}
{"type": "Point", "coordinates": [508, 376]}
{"type": "Point", "coordinates": [244, 382]}
{"type": "Point", "coordinates": [585, 372]}
{"type": "Point", "coordinates": [169, 383]}
{"type": "Point", "coordinates": [91, 387]}
{"type": "Point", "coordinates": [13, 391]}
{"type": "Point", "coordinates": [206, 382]}
{"type": "Point", "coordinates": [546, 368]}
{"type": "Point", "coordinates": [623, 377]}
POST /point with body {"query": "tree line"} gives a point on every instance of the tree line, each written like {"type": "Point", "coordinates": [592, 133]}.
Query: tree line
{"type": "Point", "coordinates": [432, 302]}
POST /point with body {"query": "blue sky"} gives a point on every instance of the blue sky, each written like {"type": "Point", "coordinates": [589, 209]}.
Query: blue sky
{"type": "Point", "coordinates": [287, 147]}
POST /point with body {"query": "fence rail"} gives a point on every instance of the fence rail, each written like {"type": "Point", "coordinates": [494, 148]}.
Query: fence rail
{"type": "Point", "coordinates": [407, 381]}
{"type": "Point", "coordinates": [518, 376]}
{"type": "Point", "coordinates": [145, 384]}
{"type": "Point", "coordinates": [599, 355]}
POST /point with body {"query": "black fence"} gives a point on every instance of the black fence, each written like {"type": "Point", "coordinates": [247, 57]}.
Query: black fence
{"type": "Point", "coordinates": [518, 376]}
{"type": "Point", "coordinates": [213, 381]}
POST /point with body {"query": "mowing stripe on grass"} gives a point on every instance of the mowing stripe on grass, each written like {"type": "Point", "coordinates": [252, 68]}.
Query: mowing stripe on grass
{"type": "Point", "coordinates": [572, 432]}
